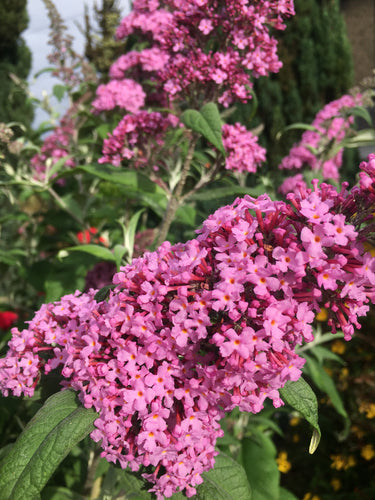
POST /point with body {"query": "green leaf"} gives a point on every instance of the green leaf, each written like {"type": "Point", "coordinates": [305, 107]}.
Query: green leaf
{"type": "Point", "coordinates": [103, 130]}
{"type": "Point", "coordinates": [58, 91]}
{"type": "Point", "coordinates": [322, 353]}
{"type": "Point", "coordinates": [11, 257]}
{"type": "Point", "coordinates": [119, 251]}
{"type": "Point", "coordinates": [125, 177]}
{"type": "Point", "coordinates": [206, 122]}
{"type": "Point", "coordinates": [58, 426]}
{"type": "Point", "coordinates": [103, 293]}
{"type": "Point", "coordinates": [56, 167]}
{"type": "Point", "coordinates": [286, 495]}
{"type": "Point", "coordinates": [226, 481]}
{"type": "Point", "coordinates": [296, 126]}
{"type": "Point", "coordinates": [60, 493]}
{"type": "Point", "coordinates": [302, 398]}
{"type": "Point", "coordinates": [96, 250]}
{"type": "Point", "coordinates": [123, 484]}
{"type": "Point", "coordinates": [258, 457]}
{"type": "Point", "coordinates": [361, 112]}
{"type": "Point", "coordinates": [364, 137]}
{"type": "Point", "coordinates": [210, 113]}
{"type": "Point", "coordinates": [130, 233]}
{"type": "Point", "coordinates": [325, 383]}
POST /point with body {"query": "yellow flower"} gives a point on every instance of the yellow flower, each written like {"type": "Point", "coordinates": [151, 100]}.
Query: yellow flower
{"type": "Point", "coordinates": [368, 452]}
{"type": "Point", "coordinates": [338, 346]}
{"type": "Point", "coordinates": [322, 315]}
{"type": "Point", "coordinates": [283, 463]}
{"type": "Point", "coordinates": [340, 462]}
{"type": "Point", "coordinates": [336, 483]}
{"type": "Point", "coordinates": [368, 408]}
{"type": "Point", "coordinates": [357, 431]}
{"type": "Point", "coordinates": [296, 438]}
{"type": "Point", "coordinates": [310, 496]}
{"type": "Point", "coordinates": [294, 421]}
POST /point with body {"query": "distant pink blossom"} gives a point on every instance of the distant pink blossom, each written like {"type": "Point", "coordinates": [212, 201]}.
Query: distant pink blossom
{"type": "Point", "coordinates": [244, 154]}
{"type": "Point", "coordinates": [126, 94]}
{"type": "Point", "coordinates": [332, 124]}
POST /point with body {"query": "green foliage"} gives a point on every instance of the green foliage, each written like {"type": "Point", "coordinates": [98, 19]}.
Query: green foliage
{"type": "Point", "coordinates": [206, 122]}
{"type": "Point", "coordinates": [102, 48]}
{"type": "Point", "coordinates": [301, 397]}
{"type": "Point", "coordinates": [15, 59]}
{"type": "Point", "coordinates": [258, 458]}
{"type": "Point", "coordinates": [49, 437]}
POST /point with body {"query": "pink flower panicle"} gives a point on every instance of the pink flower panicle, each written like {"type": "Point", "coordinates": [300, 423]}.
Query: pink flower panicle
{"type": "Point", "coordinates": [56, 146]}
{"type": "Point", "coordinates": [178, 32]}
{"type": "Point", "coordinates": [243, 150]}
{"type": "Point", "coordinates": [332, 124]}
{"type": "Point", "coordinates": [193, 330]}
{"type": "Point", "coordinates": [138, 137]}
{"type": "Point", "coordinates": [125, 94]}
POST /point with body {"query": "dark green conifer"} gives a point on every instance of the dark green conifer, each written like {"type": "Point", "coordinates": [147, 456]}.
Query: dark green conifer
{"type": "Point", "coordinates": [15, 59]}
{"type": "Point", "coordinates": [102, 48]}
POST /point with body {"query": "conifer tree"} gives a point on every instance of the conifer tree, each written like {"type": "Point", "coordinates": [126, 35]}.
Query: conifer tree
{"type": "Point", "coordinates": [15, 59]}
{"type": "Point", "coordinates": [102, 48]}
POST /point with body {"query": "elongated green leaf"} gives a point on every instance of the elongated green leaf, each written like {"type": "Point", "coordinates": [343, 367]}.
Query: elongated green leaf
{"type": "Point", "coordinates": [130, 233]}
{"type": "Point", "coordinates": [119, 251]}
{"type": "Point", "coordinates": [322, 353]}
{"type": "Point", "coordinates": [57, 427]}
{"type": "Point", "coordinates": [362, 138]}
{"type": "Point", "coordinates": [130, 178]}
{"type": "Point", "coordinates": [325, 383]}
{"type": "Point", "coordinates": [207, 122]}
{"type": "Point", "coordinates": [226, 481]}
{"type": "Point", "coordinates": [362, 113]}
{"type": "Point", "coordinates": [302, 398]}
{"type": "Point", "coordinates": [59, 165]}
{"type": "Point", "coordinates": [258, 457]}
{"type": "Point", "coordinates": [297, 126]}
{"type": "Point", "coordinates": [96, 250]}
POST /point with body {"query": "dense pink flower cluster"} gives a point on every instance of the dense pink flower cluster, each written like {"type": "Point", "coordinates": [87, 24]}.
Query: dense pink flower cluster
{"type": "Point", "coordinates": [332, 125]}
{"type": "Point", "coordinates": [180, 33]}
{"type": "Point", "coordinates": [195, 329]}
{"type": "Point", "coordinates": [57, 145]}
{"type": "Point", "coordinates": [149, 60]}
{"type": "Point", "coordinates": [125, 94]}
{"type": "Point", "coordinates": [243, 151]}
{"type": "Point", "coordinates": [138, 137]}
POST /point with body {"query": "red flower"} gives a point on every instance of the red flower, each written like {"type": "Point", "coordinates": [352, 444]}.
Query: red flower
{"type": "Point", "coordinates": [7, 318]}
{"type": "Point", "coordinates": [84, 237]}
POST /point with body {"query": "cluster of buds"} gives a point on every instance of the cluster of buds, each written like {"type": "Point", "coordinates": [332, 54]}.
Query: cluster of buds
{"type": "Point", "coordinates": [193, 330]}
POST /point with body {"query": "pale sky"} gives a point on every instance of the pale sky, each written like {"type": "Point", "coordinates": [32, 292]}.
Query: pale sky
{"type": "Point", "coordinates": [36, 36]}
